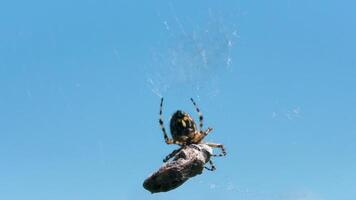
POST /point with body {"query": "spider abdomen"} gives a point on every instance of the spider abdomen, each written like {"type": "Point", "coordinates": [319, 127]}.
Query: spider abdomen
{"type": "Point", "coordinates": [182, 127]}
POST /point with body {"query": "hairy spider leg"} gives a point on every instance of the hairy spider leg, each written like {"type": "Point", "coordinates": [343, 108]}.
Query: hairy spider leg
{"type": "Point", "coordinates": [212, 166]}
{"type": "Point", "coordinates": [165, 135]}
{"type": "Point", "coordinates": [223, 152]}
{"type": "Point", "coordinates": [171, 155]}
{"type": "Point", "coordinates": [168, 140]}
{"type": "Point", "coordinates": [200, 114]}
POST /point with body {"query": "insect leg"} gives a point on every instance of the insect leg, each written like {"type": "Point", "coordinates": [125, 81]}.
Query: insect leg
{"type": "Point", "coordinates": [171, 155]}
{"type": "Point", "coordinates": [200, 114]}
{"type": "Point", "coordinates": [212, 166]}
{"type": "Point", "coordinates": [168, 141]}
{"type": "Point", "coordinates": [223, 152]}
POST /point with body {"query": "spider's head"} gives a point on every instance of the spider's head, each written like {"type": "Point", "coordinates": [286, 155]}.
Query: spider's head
{"type": "Point", "coordinates": [182, 126]}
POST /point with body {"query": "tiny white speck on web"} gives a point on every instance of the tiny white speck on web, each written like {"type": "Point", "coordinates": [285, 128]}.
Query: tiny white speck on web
{"type": "Point", "coordinates": [212, 186]}
{"type": "Point", "coordinates": [274, 115]}
{"type": "Point", "coordinates": [166, 25]}
{"type": "Point", "coordinates": [290, 113]}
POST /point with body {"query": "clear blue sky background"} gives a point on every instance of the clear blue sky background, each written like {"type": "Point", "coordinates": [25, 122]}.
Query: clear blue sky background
{"type": "Point", "coordinates": [80, 84]}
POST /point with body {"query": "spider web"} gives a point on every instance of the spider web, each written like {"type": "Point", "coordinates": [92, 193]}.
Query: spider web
{"type": "Point", "coordinates": [193, 58]}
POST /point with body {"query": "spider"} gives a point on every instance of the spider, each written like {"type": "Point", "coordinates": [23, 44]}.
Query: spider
{"type": "Point", "coordinates": [185, 132]}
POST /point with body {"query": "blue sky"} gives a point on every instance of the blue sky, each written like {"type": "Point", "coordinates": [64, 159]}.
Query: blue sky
{"type": "Point", "coordinates": [80, 84]}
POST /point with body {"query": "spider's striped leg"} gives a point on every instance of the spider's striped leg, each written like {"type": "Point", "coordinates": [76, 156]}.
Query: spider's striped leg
{"type": "Point", "coordinates": [223, 152]}
{"type": "Point", "coordinates": [171, 155]}
{"type": "Point", "coordinates": [212, 166]}
{"type": "Point", "coordinates": [200, 114]}
{"type": "Point", "coordinates": [168, 140]}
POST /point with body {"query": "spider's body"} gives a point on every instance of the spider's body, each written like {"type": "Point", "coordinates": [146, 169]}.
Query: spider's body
{"type": "Point", "coordinates": [184, 132]}
{"type": "Point", "coordinates": [183, 128]}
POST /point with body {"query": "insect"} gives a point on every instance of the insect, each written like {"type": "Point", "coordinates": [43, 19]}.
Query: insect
{"type": "Point", "coordinates": [185, 132]}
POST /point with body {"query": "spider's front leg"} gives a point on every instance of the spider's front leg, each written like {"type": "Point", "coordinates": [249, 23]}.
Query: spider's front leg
{"type": "Point", "coordinates": [199, 113]}
{"type": "Point", "coordinates": [165, 135]}
{"type": "Point", "coordinates": [223, 152]}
